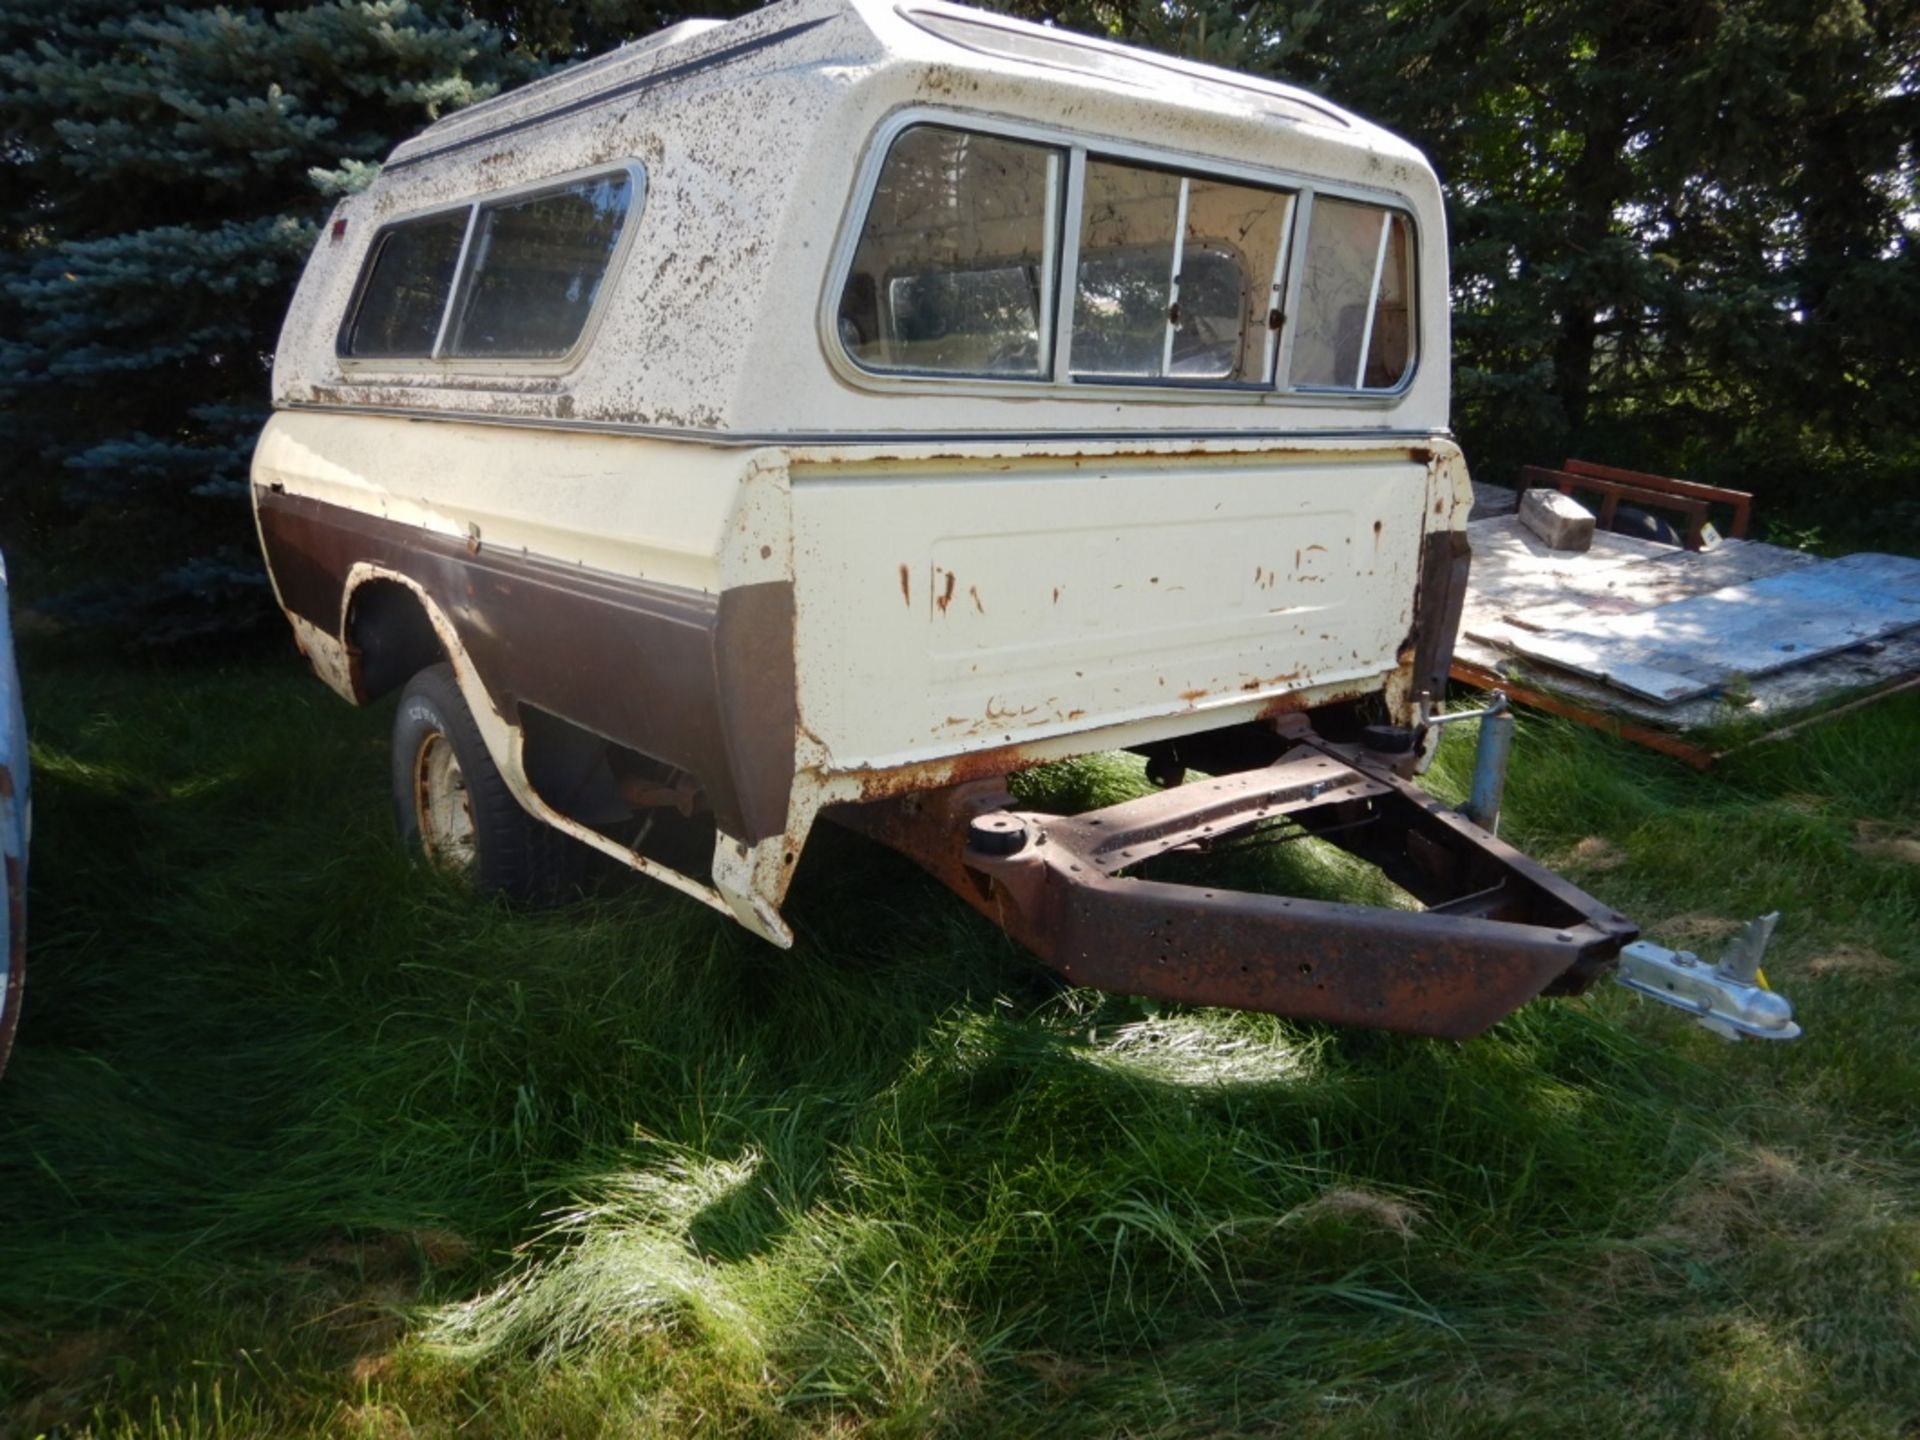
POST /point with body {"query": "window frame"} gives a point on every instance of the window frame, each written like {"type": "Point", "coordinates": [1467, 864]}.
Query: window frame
{"type": "Point", "coordinates": [1046, 326]}
{"type": "Point", "coordinates": [440, 363]}
{"type": "Point", "coordinates": [1060, 382]}
{"type": "Point", "coordinates": [1297, 281]}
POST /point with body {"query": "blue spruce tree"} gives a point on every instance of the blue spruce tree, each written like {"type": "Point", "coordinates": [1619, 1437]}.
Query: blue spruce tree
{"type": "Point", "coordinates": [165, 172]}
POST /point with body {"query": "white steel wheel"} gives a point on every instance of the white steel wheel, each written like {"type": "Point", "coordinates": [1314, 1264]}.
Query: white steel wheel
{"type": "Point", "coordinates": [454, 807]}
{"type": "Point", "coordinates": [442, 808]}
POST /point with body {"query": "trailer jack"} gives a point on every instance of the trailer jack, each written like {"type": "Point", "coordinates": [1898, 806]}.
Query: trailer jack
{"type": "Point", "coordinates": [1498, 929]}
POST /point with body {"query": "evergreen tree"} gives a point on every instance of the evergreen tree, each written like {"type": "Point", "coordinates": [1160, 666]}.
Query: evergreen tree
{"type": "Point", "coordinates": [166, 169]}
{"type": "Point", "coordinates": [1683, 236]}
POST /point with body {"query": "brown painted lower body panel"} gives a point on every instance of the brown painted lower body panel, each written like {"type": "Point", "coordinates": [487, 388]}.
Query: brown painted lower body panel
{"type": "Point", "coordinates": [701, 682]}
{"type": "Point", "coordinates": [1445, 559]}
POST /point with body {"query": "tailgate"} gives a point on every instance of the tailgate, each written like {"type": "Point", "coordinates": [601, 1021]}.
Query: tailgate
{"type": "Point", "coordinates": [961, 603]}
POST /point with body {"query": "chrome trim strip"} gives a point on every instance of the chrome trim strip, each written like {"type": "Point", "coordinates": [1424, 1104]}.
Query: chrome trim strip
{"type": "Point", "coordinates": [815, 438]}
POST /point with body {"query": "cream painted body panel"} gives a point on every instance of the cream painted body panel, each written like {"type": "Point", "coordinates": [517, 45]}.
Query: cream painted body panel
{"type": "Point", "coordinates": [948, 600]}
{"type": "Point", "coordinates": [981, 597]}
{"type": "Point", "coordinates": [965, 604]}
{"type": "Point", "coordinates": [648, 509]}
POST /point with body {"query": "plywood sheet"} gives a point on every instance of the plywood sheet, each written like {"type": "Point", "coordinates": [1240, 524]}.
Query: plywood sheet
{"type": "Point", "coordinates": [1689, 647]}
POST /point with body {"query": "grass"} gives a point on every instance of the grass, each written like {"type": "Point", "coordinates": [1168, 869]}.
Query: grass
{"type": "Point", "coordinates": [299, 1140]}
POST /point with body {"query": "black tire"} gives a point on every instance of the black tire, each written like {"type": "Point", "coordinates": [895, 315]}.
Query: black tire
{"type": "Point", "coordinates": [443, 774]}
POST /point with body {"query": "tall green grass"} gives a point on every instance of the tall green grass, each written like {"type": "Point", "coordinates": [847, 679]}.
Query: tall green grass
{"type": "Point", "coordinates": [300, 1140]}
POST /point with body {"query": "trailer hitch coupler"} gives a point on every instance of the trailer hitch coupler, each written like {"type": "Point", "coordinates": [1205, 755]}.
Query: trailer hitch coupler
{"type": "Point", "coordinates": [1732, 999]}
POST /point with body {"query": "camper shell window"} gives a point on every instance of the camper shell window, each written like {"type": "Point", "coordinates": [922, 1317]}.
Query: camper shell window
{"type": "Point", "coordinates": [954, 271]}
{"type": "Point", "coordinates": [409, 277]}
{"type": "Point", "coordinates": [510, 278]}
{"type": "Point", "coordinates": [1353, 330]}
{"type": "Point", "coordinates": [1178, 278]}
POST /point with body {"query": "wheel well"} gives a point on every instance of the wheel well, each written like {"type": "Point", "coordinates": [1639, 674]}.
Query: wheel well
{"type": "Point", "coordinates": [389, 637]}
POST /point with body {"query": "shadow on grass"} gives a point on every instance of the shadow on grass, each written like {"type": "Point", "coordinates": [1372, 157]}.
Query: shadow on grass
{"type": "Point", "coordinates": [295, 1119]}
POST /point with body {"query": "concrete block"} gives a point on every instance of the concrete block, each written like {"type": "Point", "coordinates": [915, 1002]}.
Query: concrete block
{"type": "Point", "coordinates": [1560, 520]}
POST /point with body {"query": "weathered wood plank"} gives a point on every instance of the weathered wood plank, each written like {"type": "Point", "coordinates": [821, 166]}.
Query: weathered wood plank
{"type": "Point", "coordinates": [1690, 647]}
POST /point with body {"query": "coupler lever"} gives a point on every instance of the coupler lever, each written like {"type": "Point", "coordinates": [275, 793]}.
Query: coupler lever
{"type": "Point", "coordinates": [1731, 999]}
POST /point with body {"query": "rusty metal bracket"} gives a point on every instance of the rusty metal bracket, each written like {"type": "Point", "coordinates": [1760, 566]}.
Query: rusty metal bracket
{"type": "Point", "coordinates": [1498, 930]}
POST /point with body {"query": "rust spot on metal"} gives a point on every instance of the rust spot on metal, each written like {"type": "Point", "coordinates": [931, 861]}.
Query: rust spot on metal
{"type": "Point", "coordinates": [766, 552]}
{"type": "Point", "coordinates": [906, 584]}
{"type": "Point", "coordinates": [1192, 695]}
{"type": "Point", "coordinates": [974, 592]}
{"type": "Point", "coordinates": [1503, 929]}
{"type": "Point", "coordinates": [1290, 703]}
{"type": "Point", "coordinates": [935, 775]}
{"type": "Point", "coordinates": [945, 598]}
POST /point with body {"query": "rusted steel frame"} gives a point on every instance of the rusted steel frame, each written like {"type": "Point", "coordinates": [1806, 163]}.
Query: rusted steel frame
{"type": "Point", "coordinates": [1135, 831]}
{"type": "Point", "coordinates": [1698, 756]}
{"type": "Point", "coordinates": [1741, 501]}
{"type": "Point", "coordinates": [1613, 492]}
{"type": "Point", "coordinates": [1061, 894]}
{"type": "Point", "coordinates": [1481, 678]}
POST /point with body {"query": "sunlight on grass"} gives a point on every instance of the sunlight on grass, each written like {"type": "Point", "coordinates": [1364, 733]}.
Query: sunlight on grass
{"type": "Point", "coordinates": [302, 1141]}
{"type": "Point", "coordinates": [59, 765]}
{"type": "Point", "coordinates": [624, 1261]}
{"type": "Point", "coordinates": [1199, 1050]}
